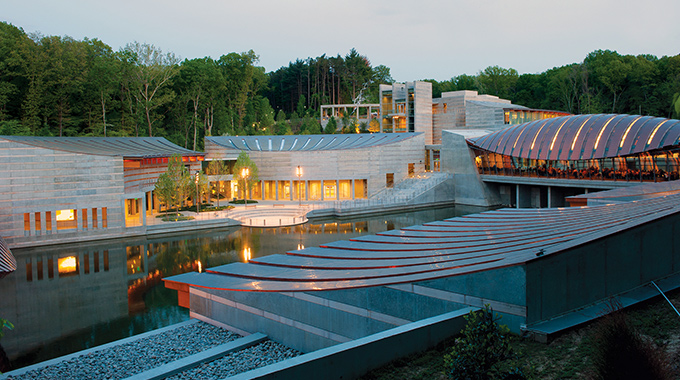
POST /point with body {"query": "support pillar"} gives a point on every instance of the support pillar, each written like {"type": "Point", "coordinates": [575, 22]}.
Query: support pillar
{"type": "Point", "coordinates": [143, 210]}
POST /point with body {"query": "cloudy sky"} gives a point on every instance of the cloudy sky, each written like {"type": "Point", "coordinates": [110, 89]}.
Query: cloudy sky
{"type": "Point", "coordinates": [417, 39]}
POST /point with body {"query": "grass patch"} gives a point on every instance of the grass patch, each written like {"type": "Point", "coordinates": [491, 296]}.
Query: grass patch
{"type": "Point", "coordinates": [174, 217]}
{"type": "Point", "coordinates": [241, 201]}
{"type": "Point", "coordinates": [569, 356]}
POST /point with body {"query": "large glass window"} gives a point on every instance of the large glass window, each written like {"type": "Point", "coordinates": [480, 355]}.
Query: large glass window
{"type": "Point", "coordinates": [67, 219]}
{"type": "Point", "coordinates": [284, 190]}
{"type": "Point", "coordinates": [314, 190]}
{"type": "Point", "coordinates": [360, 189]}
{"type": "Point", "coordinates": [329, 190]}
{"type": "Point", "coordinates": [345, 190]}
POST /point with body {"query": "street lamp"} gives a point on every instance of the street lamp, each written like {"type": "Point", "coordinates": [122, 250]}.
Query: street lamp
{"type": "Point", "coordinates": [244, 175]}
{"type": "Point", "coordinates": [298, 173]}
{"type": "Point", "coordinates": [198, 206]}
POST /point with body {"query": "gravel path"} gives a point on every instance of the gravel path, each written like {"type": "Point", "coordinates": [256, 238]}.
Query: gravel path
{"type": "Point", "coordinates": [141, 355]}
{"type": "Point", "coordinates": [263, 354]}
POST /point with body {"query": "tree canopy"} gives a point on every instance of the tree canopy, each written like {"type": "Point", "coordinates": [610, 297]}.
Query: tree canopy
{"type": "Point", "coordinates": [59, 86]}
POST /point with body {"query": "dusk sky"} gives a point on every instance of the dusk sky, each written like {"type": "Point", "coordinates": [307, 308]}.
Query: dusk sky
{"type": "Point", "coordinates": [422, 39]}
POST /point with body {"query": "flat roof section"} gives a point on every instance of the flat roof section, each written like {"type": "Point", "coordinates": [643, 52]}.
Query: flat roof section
{"type": "Point", "coordinates": [309, 142]}
{"type": "Point", "coordinates": [452, 247]}
{"type": "Point", "coordinates": [126, 147]}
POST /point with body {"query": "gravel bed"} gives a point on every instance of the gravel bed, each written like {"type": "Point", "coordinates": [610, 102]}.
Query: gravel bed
{"type": "Point", "coordinates": [263, 354]}
{"type": "Point", "coordinates": [125, 360]}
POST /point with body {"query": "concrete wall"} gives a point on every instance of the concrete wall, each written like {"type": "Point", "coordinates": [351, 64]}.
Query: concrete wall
{"type": "Point", "coordinates": [423, 109]}
{"type": "Point", "coordinates": [371, 164]}
{"type": "Point", "coordinates": [353, 359]}
{"type": "Point", "coordinates": [465, 110]}
{"type": "Point", "coordinates": [457, 158]}
{"type": "Point", "coordinates": [558, 283]}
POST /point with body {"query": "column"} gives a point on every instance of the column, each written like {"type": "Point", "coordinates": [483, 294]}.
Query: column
{"type": "Point", "coordinates": [276, 189]}
{"type": "Point", "coordinates": [31, 223]}
{"type": "Point", "coordinates": [43, 222]}
{"type": "Point", "coordinates": [291, 189]}
{"type": "Point", "coordinates": [337, 190]}
{"type": "Point", "coordinates": [352, 188]}
{"type": "Point", "coordinates": [517, 196]}
{"type": "Point", "coordinates": [143, 210]}
{"type": "Point", "coordinates": [53, 217]}
{"type": "Point", "coordinates": [549, 197]}
{"type": "Point", "coordinates": [306, 190]}
{"type": "Point", "coordinates": [323, 192]}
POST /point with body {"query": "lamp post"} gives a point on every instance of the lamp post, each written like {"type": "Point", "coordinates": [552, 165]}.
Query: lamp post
{"type": "Point", "coordinates": [298, 173]}
{"type": "Point", "coordinates": [198, 206]}
{"type": "Point", "coordinates": [244, 175]}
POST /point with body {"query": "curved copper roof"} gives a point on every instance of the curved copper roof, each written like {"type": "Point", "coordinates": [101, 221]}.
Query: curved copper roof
{"type": "Point", "coordinates": [456, 246]}
{"type": "Point", "coordinates": [309, 142]}
{"type": "Point", "coordinates": [582, 137]}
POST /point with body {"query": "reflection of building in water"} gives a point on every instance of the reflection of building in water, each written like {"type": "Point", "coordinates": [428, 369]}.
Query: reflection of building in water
{"type": "Point", "coordinates": [61, 291]}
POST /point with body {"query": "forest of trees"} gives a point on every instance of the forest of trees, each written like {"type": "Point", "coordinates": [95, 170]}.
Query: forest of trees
{"type": "Point", "coordinates": [59, 86]}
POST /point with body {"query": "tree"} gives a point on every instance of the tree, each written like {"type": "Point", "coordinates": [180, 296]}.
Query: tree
{"type": "Point", "coordinates": [174, 185]}
{"type": "Point", "coordinates": [483, 352]}
{"type": "Point", "coordinates": [217, 168]}
{"type": "Point", "coordinates": [498, 81]}
{"type": "Point", "coordinates": [331, 126]}
{"type": "Point", "coordinates": [244, 162]}
{"type": "Point", "coordinates": [150, 81]}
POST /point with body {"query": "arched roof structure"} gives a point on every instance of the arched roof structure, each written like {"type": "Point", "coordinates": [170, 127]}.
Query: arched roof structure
{"type": "Point", "coordinates": [582, 137]}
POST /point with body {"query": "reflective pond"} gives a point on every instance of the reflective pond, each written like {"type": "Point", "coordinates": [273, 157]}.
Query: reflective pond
{"type": "Point", "coordinates": [66, 298]}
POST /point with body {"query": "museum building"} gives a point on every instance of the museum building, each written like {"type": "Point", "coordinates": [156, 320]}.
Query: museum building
{"type": "Point", "coordinates": [80, 188]}
{"type": "Point", "coordinates": [606, 147]}
{"type": "Point", "coordinates": [319, 167]}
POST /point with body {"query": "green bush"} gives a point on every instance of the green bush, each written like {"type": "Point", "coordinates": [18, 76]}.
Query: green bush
{"type": "Point", "coordinates": [483, 352]}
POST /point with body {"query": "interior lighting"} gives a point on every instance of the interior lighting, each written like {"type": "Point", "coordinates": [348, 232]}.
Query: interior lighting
{"type": "Point", "coordinates": [247, 255]}
{"type": "Point", "coordinates": [64, 215]}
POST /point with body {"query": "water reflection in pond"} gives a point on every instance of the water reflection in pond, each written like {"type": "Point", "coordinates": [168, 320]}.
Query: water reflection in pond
{"type": "Point", "coordinates": [66, 298]}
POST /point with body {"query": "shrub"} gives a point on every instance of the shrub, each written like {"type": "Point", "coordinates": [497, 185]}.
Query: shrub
{"type": "Point", "coordinates": [483, 352]}
{"type": "Point", "coordinates": [620, 352]}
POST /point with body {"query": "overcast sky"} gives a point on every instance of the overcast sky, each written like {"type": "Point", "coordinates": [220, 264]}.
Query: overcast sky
{"type": "Point", "coordinates": [416, 39]}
